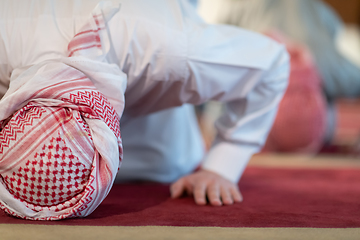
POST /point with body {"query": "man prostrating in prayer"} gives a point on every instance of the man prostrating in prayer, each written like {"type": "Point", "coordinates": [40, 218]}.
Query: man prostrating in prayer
{"type": "Point", "coordinates": [73, 72]}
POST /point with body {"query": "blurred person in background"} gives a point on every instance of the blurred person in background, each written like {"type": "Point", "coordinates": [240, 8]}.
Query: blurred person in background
{"type": "Point", "coordinates": [321, 72]}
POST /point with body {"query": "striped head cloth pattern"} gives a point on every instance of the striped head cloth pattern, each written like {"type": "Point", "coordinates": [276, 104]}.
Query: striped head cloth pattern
{"type": "Point", "coordinates": [59, 129]}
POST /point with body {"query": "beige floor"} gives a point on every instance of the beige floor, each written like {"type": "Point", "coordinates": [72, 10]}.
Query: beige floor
{"type": "Point", "coordinates": [40, 232]}
{"type": "Point", "coordinates": [304, 161]}
{"type": "Point", "coordinates": [30, 232]}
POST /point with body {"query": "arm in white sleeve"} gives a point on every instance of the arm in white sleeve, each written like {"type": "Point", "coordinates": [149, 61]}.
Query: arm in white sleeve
{"type": "Point", "coordinates": [171, 57]}
{"type": "Point", "coordinates": [247, 71]}
{"type": "Point", "coordinates": [243, 128]}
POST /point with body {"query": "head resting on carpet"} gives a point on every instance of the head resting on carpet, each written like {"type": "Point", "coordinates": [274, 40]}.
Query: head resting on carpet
{"type": "Point", "coordinates": [60, 145]}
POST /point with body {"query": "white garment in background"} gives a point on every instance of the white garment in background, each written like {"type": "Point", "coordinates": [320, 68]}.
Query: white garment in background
{"type": "Point", "coordinates": [312, 23]}
{"type": "Point", "coordinates": [171, 57]}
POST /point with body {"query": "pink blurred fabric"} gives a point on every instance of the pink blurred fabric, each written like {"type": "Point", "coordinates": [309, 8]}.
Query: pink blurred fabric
{"type": "Point", "coordinates": [300, 124]}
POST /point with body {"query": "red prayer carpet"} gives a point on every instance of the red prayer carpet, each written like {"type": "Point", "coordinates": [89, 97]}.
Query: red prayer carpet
{"type": "Point", "coordinates": [273, 197]}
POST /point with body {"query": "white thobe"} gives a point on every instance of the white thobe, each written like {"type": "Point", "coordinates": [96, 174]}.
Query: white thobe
{"type": "Point", "coordinates": [171, 57]}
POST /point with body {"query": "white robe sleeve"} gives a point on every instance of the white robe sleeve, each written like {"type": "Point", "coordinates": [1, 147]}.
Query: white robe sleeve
{"type": "Point", "coordinates": [247, 71]}
{"type": "Point", "coordinates": [172, 57]}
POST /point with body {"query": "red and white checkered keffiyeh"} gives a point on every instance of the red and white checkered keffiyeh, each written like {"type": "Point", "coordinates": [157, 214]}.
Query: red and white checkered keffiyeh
{"type": "Point", "coordinates": [60, 145]}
